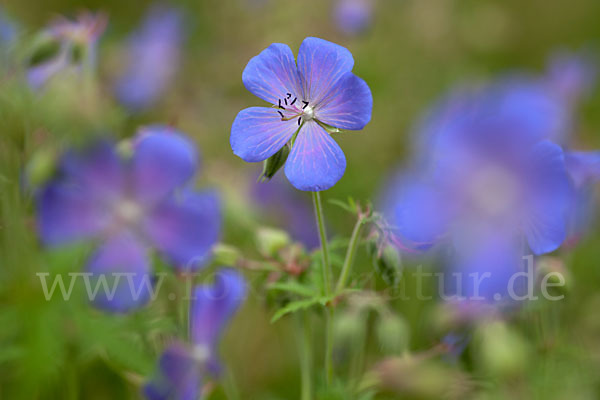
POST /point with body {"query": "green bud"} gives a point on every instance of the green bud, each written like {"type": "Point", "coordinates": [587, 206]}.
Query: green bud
{"type": "Point", "coordinates": [348, 328]}
{"type": "Point", "coordinates": [274, 163]}
{"type": "Point", "coordinates": [125, 148]}
{"type": "Point", "coordinates": [393, 334]}
{"type": "Point", "coordinates": [226, 255]}
{"type": "Point", "coordinates": [41, 167]}
{"type": "Point", "coordinates": [388, 264]}
{"type": "Point", "coordinates": [502, 351]}
{"type": "Point", "coordinates": [270, 241]}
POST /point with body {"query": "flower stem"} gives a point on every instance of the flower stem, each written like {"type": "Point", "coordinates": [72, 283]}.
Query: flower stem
{"type": "Point", "coordinates": [326, 267]}
{"type": "Point", "coordinates": [350, 254]}
{"type": "Point", "coordinates": [324, 249]}
{"type": "Point", "coordinates": [303, 335]}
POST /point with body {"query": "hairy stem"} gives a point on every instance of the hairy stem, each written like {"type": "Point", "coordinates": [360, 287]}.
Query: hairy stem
{"type": "Point", "coordinates": [350, 254]}
{"type": "Point", "coordinates": [326, 267]}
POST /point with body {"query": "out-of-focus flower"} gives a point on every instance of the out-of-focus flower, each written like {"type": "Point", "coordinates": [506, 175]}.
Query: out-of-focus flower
{"type": "Point", "coordinates": [572, 75]}
{"type": "Point", "coordinates": [66, 46]}
{"type": "Point", "coordinates": [130, 206]}
{"type": "Point", "coordinates": [183, 366]}
{"type": "Point", "coordinates": [489, 183]}
{"type": "Point", "coordinates": [153, 58]}
{"type": "Point", "coordinates": [353, 16]}
{"type": "Point", "coordinates": [318, 95]}
{"type": "Point", "coordinates": [284, 207]}
{"type": "Point", "coordinates": [8, 29]}
{"type": "Point", "coordinates": [584, 170]}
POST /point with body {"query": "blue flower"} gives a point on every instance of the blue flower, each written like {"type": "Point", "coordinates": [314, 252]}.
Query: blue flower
{"type": "Point", "coordinates": [487, 183]}
{"type": "Point", "coordinates": [353, 16]}
{"type": "Point", "coordinates": [76, 42]}
{"type": "Point", "coordinates": [128, 207]}
{"type": "Point", "coordinates": [584, 170]}
{"type": "Point", "coordinates": [8, 29]}
{"type": "Point", "coordinates": [571, 75]}
{"type": "Point", "coordinates": [182, 366]}
{"type": "Point", "coordinates": [153, 58]}
{"type": "Point", "coordinates": [318, 92]}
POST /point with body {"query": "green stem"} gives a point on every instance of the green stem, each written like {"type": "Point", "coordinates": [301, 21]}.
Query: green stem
{"type": "Point", "coordinates": [324, 248]}
{"type": "Point", "coordinates": [350, 254]}
{"type": "Point", "coordinates": [303, 335]}
{"type": "Point", "coordinates": [327, 287]}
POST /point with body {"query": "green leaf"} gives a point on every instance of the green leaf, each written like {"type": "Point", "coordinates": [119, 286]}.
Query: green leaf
{"type": "Point", "coordinates": [298, 305]}
{"type": "Point", "coordinates": [343, 205]}
{"type": "Point", "coordinates": [293, 287]}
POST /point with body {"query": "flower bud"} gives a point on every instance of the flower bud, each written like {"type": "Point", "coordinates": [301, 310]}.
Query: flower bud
{"type": "Point", "coordinates": [226, 255]}
{"type": "Point", "coordinates": [502, 351]}
{"type": "Point", "coordinates": [274, 163]}
{"type": "Point", "coordinates": [41, 167]}
{"type": "Point", "coordinates": [270, 241]}
{"type": "Point", "coordinates": [393, 334]}
{"type": "Point", "coordinates": [388, 264]}
{"type": "Point", "coordinates": [348, 328]}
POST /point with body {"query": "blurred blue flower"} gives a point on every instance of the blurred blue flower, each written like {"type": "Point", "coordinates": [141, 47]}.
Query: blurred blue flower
{"type": "Point", "coordinates": [353, 16]}
{"type": "Point", "coordinates": [571, 75]}
{"type": "Point", "coordinates": [153, 58]}
{"type": "Point", "coordinates": [489, 185]}
{"type": "Point", "coordinates": [130, 206]}
{"type": "Point", "coordinates": [183, 366]}
{"type": "Point", "coordinates": [584, 170]}
{"type": "Point", "coordinates": [8, 29]}
{"type": "Point", "coordinates": [76, 41]}
{"type": "Point", "coordinates": [318, 93]}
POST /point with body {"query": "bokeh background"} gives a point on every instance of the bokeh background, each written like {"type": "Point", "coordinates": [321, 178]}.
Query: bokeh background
{"type": "Point", "coordinates": [410, 53]}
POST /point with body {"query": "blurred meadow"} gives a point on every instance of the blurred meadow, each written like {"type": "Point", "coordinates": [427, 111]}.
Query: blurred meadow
{"type": "Point", "coordinates": [411, 53]}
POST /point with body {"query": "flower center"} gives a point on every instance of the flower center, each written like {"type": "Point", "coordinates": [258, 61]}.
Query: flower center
{"type": "Point", "coordinates": [291, 107]}
{"type": "Point", "coordinates": [128, 212]}
{"type": "Point", "coordinates": [494, 190]}
{"type": "Point", "coordinates": [309, 113]}
{"type": "Point", "coordinates": [201, 353]}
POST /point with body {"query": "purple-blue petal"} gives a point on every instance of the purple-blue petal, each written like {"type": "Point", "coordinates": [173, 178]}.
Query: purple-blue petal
{"type": "Point", "coordinates": [321, 64]}
{"type": "Point", "coordinates": [178, 377]}
{"type": "Point", "coordinates": [348, 105]}
{"type": "Point", "coordinates": [98, 168]}
{"type": "Point", "coordinates": [185, 228]}
{"type": "Point", "coordinates": [67, 212]}
{"type": "Point", "coordinates": [316, 161]}
{"type": "Point", "coordinates": [213, 306]}
{"type": "Point", "coordinates": [164, 160]}
{"type": "Point", "coordinates": [153, 58]}
{"type": "Point", "coordinates": [39, 74]}
{"type": "Point", "coordinates": [353, 16]}
{"type": "Point", "coordinates": [122, 264]}
{"type": "Point", "coordinates": [583, 167]}
{"type": "Point", "coordinates": [549, 201]}
{"type": "Point", "coordinates": [258, 132]}
{"type": "Point", "coordinates": [272, 74]}
{"type": "Point", "coordinates": [420, 215]}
